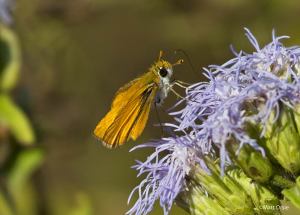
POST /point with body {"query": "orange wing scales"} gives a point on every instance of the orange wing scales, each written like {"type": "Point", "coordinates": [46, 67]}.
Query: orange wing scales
{"type": "Point", "coordinates": [125, 125]}
{"type": "Point", "coordinates": [129, 113]}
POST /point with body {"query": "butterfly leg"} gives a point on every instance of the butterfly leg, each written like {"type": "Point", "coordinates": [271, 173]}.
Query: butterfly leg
{"type": "Point", "coordinates": [177, 94]}
{"type": "Point", "coordinates": [159, 120]}
{"type": "Point", "coordinates": [182, 84]}
{"type": "Point", "coordinates": [177, 83]}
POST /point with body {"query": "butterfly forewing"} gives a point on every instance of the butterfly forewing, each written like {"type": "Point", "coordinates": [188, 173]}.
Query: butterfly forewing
{"type": "Point", "coordinates": [129, 112]}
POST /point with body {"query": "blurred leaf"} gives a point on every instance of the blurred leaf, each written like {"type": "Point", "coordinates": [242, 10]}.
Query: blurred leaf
{"type": "Point", "coordinates": [293, 194]}
{"type": "Point", "coordinates": [10, 59]}
{"type": "Point", "coordinates": [19, 183]}
{"type": "Point", "coordinates": [16, 121]}
{"type": "Point", "coordinates": [26, 200]}
{"type": "Point", "coordinates": [27, 162]}
{"type": "Point", "coordinates": [4, 206]}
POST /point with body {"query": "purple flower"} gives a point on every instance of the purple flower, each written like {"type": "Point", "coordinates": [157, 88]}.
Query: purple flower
{"type": "Point", "coordinates": [5, 11]}
{"type": "Point", "coordinates": [245, 90]}
{"type": "Point", "coordinates": [165, 171]}
{"type": "Point", "coordinates": [217, 110]}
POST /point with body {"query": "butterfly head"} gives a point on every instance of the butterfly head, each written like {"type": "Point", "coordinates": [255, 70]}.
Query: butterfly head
{"type": "Point", "coordinates": [164, 68]}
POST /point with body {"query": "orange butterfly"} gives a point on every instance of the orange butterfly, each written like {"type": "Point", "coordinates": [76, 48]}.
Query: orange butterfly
{"type": "Point", "coordinates": [131, 106]}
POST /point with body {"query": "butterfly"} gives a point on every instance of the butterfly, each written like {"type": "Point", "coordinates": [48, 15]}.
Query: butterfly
{"type": "Point", "coordinates": [132, 103]}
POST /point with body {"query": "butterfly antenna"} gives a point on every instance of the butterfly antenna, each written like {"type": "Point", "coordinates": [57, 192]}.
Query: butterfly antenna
{"type": "Point", "coordinates": [161, 53]}
{"type": "Point", "coordinates": [180, 61]}
{"type": "Point", "coordinates": [188, 59]}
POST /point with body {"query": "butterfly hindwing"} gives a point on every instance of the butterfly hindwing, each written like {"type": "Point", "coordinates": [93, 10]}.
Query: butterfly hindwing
{"type": "Point", "coordinates": [131, 122]}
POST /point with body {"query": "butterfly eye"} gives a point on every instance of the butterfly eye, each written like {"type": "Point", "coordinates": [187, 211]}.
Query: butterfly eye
{"type": "Point", "coordinates": [163, 72]}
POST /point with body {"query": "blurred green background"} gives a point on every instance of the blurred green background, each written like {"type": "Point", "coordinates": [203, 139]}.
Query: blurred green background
{"type": "Point", "coordinates": [77, 53]}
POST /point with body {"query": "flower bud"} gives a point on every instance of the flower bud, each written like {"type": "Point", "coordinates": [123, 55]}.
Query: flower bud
{"type": "Point", "coordinates": [224, 190]}
{"type": "Point", "coordinates": [283, 140]}
{"type": "Point", "coordinates": [195, 201]}
{"type": "Point", "coordinates": [264, 200]}
{"type": "Point", "coordinates": [253, 163]}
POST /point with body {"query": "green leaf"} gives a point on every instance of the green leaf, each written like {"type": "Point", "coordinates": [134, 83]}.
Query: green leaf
{"type": "Point", "coordinates": [10, 59]}
{"type": "Point", "coordinates": [14, 118]}
{"type": "Point", "coordinates": [293, 194]}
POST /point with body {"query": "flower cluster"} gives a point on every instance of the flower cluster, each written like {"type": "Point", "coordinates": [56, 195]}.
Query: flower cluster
{"type": "Point", "coordinates": [250, 103]}
{"type": "Point", "coordinates": [166, 170]}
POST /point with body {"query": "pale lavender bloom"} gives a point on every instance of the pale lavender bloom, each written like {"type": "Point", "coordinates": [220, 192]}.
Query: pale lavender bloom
{"type": "Point", "coordinates": [268, 76]}
{"type": "Point", "coordinates": [165, 171]}
{"type": "Point", "coordinates": [217, 111]}
{"type": "Point", "coordinates": [6, 7]}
